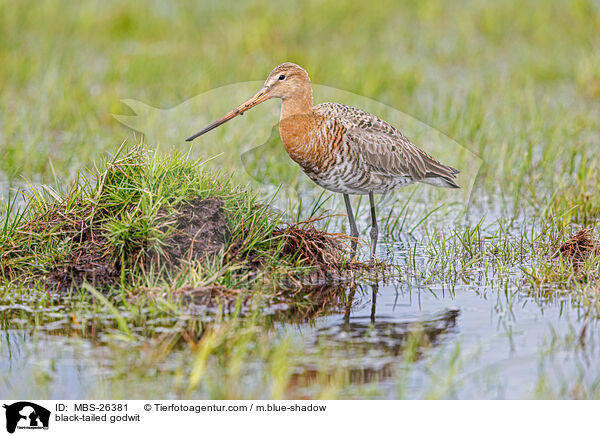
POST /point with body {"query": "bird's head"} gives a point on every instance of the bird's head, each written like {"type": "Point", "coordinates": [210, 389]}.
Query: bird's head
{"type": "Point", "coordinates": [285, 81]}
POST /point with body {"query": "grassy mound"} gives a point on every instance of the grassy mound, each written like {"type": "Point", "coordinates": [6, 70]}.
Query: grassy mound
{"type": "Point", "coordinates": [148, 221]}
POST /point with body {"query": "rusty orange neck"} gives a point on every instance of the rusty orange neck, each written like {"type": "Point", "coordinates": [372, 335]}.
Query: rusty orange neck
{"type": "Point", "coordinates": [297, 123]}
{"type": "Point", "coordinates": [298, 103]}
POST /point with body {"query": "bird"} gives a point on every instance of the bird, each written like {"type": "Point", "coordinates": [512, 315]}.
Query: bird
{"type": "Point", "coordinates": [341, 148]}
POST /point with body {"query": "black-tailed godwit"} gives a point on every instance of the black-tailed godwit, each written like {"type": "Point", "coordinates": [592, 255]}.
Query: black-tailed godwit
{"type": "Point", "coordinates": [342, 148]}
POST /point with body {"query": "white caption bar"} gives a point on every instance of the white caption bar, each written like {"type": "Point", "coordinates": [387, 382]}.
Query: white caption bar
{"type": "Point", "coordinates": [23, 417]}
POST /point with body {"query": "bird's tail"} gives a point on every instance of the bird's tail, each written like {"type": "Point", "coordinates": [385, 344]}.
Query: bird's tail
{"type": "Point", "coordinates": [440, 182]}
{"type": "Point", "coordinates": [438, 174]}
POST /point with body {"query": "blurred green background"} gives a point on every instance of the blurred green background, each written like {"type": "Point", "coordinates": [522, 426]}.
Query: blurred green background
{"type": "Point", "coordinates": [516, 82]}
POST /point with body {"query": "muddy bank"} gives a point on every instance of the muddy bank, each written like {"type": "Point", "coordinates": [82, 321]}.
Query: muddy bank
{"type": "Point", "coordinates": [198, 229]}
{"type": "Point", "coordinates": [193, 231]}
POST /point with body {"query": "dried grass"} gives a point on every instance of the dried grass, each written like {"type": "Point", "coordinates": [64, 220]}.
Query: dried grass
{"type": "Point", "coordinates": [579, 246]}
{"type": "Point", "coordinates": [324, 250]}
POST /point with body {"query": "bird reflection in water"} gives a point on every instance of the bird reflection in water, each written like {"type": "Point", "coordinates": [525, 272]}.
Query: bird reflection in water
{"type": "Point", "coordinates": [367, 348]}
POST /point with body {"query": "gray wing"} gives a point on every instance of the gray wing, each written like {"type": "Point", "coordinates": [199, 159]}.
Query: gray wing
{"type": "Point", "coordinates": [387, 151]}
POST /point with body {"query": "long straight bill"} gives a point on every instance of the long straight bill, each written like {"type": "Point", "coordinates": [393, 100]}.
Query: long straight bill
{"type": "Point", "coordinates": [261, 96]}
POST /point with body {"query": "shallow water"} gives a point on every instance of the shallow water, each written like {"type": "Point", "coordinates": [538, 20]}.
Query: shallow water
{"type": "Point", "coordinates": [477, 340]}
{"type": "Point", "coordinates": [501, 340]}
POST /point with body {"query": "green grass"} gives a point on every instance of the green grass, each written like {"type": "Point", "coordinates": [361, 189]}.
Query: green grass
{"type": "Point", "coordinates": [516, 83]}
{"type": "Point", "coordinates": [130, 209]}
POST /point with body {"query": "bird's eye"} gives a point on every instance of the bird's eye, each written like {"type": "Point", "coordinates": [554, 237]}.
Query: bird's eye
{"type": "Point", "coordinates": [282, 77]}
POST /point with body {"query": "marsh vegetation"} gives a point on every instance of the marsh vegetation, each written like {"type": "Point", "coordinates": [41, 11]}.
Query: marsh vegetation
{"type": "Point", "coordinates": [114, 286]}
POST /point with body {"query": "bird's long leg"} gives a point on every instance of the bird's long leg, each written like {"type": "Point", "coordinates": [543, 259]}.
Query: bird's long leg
{"type": "Point", "coordinates": [374, 228]}
{"type": "Point", "coordinates": [353, 229]}
{"type": "Point", "coordinates": [375, 289]}
{"type": "Point", "coordinates": [350, 300]}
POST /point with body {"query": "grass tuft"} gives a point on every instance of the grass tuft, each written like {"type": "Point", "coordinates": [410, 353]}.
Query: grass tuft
{"type": "Point", "coordinates": [308, 245]}
{"type": "Point", "coordinates": [144, 218]}
{"type": "Point", "coordinates": [579, 246]}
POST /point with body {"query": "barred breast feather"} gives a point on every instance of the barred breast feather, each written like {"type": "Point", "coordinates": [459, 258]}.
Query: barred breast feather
{"type": "Point", "coordinates": [345, 149]}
